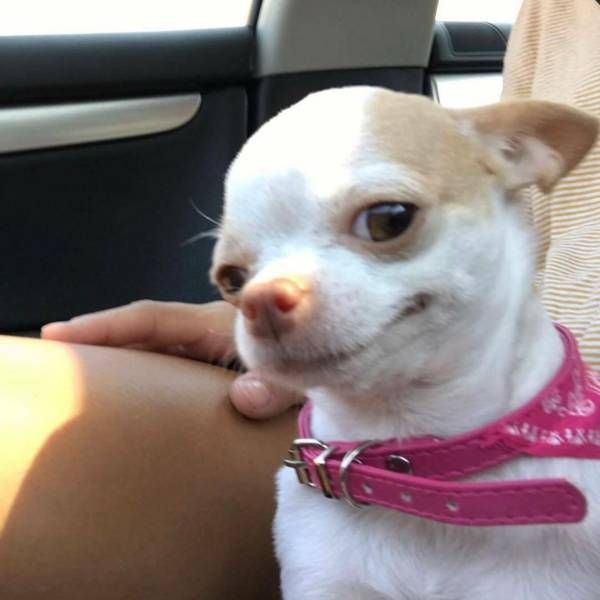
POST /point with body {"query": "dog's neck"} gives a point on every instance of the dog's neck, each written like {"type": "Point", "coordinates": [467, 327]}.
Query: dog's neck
{"type": "Point", "coordinates": [495, 360]}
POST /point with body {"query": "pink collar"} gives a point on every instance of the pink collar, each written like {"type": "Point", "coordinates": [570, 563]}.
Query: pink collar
{"type": "Point", "coordinates": [418, 476]}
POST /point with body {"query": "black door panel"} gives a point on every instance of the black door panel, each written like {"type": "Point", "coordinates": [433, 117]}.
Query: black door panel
{"type": "Point", "coordinates": [43, 68]}
{"type": "Point", "coordinates": [88, 227]}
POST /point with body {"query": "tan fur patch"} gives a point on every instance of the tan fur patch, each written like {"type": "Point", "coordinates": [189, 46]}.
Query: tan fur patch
{"type": "Point", "coordinates": [414, 131]}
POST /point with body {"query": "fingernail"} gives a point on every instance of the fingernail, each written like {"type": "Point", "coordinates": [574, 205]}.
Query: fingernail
{"type": "Point", "coordinates": [256, 393]}
{"type": "Point", "coordinates": [78, 318]}
{"type": "Point", "coordinates": [54, 325]}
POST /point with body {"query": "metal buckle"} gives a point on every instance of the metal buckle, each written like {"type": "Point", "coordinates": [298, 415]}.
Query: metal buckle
{"type": "Point", "coordinates": [301, 467]}
{"type": "Point", "coordinates": [350, 457]}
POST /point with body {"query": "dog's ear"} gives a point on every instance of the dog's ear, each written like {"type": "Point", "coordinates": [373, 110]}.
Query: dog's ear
{"type": "Point", "coordinates": [529, 141]}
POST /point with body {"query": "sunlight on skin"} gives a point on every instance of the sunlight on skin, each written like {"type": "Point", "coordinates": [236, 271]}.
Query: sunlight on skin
{"type": "Point", "coordinates": [40, 390]}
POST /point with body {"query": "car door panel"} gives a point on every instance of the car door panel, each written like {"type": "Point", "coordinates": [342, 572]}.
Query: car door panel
{"type": "Point", "coordinates": [43, 68]}
{"type": "Point", "coordinates": [86, 227]}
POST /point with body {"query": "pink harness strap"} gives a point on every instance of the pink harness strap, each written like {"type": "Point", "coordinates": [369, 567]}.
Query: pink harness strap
{"type": "Point", "coordinates": [417, 476]}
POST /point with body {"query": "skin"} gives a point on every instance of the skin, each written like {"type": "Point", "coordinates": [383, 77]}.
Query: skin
{"type": "Point", "coordinates": [127, 473]}
{"type": "Point", "coordinates": [201, 332]}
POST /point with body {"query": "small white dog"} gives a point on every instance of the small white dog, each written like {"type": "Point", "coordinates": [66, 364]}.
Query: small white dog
{"type": "Point", "coordinates": [381, 262]}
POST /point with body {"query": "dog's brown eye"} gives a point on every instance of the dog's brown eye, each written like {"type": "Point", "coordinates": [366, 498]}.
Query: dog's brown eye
{"type": "Point", "coordinates": [231, 279]}
{"type": "Point", "coordinates": [384, 221]}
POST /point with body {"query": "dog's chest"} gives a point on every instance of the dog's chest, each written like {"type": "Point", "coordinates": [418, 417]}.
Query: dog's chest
{"type": "Point", "coordinates": [324, 545]}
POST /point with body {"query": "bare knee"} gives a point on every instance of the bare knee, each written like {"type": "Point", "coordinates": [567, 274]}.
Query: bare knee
{"type": "Point", "coordinates": [137, 479]}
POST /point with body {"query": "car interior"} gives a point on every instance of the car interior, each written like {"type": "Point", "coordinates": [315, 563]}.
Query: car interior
{"type": "Point", "coordinates": [114, 146]}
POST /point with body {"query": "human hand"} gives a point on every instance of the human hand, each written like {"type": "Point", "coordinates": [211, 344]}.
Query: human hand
{"type": "Point", "coordinates": [202, 332]}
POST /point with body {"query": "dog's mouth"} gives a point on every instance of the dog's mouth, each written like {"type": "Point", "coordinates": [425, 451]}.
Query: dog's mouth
{"type": "Point", "coordinates": [324, 361]}
{"type": "Point", "coordinates": [417, 304]}
{"type": "Point", "coordinates": [285, 362]}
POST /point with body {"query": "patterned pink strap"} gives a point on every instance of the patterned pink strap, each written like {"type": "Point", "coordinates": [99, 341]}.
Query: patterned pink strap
{"type": "Point", "coordinates": [428, 457]}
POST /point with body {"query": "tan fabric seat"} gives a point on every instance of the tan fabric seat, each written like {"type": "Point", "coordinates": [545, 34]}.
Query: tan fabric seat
{"type": "Point", "coordinates": [554, 54]}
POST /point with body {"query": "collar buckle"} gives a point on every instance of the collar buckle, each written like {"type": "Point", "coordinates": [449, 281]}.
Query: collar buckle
{"type": "Point", "coordinates": [301, 466]}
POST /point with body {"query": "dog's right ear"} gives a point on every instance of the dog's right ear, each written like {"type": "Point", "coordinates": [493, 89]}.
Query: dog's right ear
{"type": "Point", "coordinates": [529, 141]}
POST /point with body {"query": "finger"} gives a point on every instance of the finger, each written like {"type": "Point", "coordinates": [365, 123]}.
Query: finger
{"type": "Point", "coordinates": [259, 399]}
{"type": "Point", "coordinates": [207, 329]}
{"type": "Point", "coordinates": [212, 349]}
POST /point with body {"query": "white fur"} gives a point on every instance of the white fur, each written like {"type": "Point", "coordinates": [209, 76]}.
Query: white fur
{"type": "Point", "coordinates": [482, 348]}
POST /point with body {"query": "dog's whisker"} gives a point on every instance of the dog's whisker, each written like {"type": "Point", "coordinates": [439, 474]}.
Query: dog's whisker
{"type": "Point", "coordinates": [203, 214]}
{"type": "Point", "coordinates": [211, 233]}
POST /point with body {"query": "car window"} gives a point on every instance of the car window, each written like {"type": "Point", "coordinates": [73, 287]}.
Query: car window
{"type": "Point", "coordinates": [41, 17]}
{"type": "Point", "coordinates": [496, 11]}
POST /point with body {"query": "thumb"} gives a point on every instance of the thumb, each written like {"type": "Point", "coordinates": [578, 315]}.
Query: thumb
{"type": "Point", "coordinates": [259, 399]}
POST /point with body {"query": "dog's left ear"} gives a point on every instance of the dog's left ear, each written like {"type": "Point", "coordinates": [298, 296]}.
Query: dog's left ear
{"type": "Point", "coordinates": [529, 141]}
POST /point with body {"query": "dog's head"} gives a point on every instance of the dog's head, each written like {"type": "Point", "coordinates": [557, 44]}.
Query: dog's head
{"type": "Point", "coordinates": [363, 229]}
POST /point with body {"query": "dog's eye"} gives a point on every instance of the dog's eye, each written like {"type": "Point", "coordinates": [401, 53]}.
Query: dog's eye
{"type": "Point", "coordinates": [231, 279]}
{"type": "Point", "coordinates": [384, 221]}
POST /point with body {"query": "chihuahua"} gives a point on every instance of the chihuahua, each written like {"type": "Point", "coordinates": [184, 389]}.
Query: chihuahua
{"type": "Point", "coordinates": [382, 263]}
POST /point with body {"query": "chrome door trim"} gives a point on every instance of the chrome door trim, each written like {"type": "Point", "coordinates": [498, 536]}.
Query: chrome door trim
{"type": "Point", "coordinates": [54, 125]}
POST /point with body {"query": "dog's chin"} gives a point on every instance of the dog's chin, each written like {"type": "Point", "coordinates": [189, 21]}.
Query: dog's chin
{"type": "Point", "coordinates": [307, 370]}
